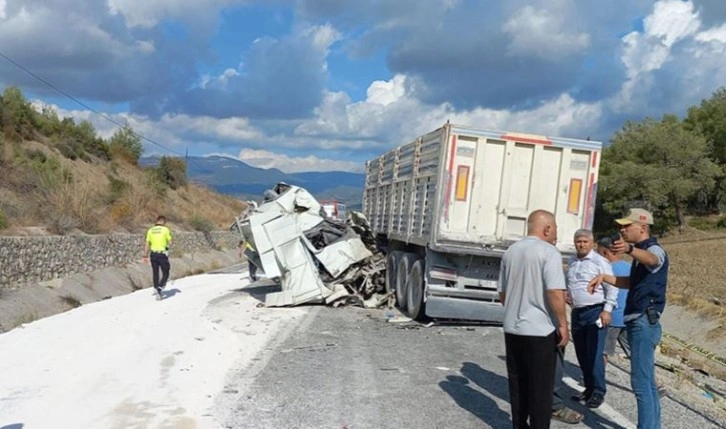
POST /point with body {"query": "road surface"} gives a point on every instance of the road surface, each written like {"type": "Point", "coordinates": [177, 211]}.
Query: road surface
{"type": "Point", "coordinates": [207, 356]}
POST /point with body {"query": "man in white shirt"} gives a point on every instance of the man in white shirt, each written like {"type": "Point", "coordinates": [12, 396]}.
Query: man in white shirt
{"type": "Point", "coordinates": [591, 315]}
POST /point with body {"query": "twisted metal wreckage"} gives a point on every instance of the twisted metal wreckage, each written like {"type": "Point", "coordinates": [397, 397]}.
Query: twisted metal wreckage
{"type": "Point", "coordinates": [315, 257]}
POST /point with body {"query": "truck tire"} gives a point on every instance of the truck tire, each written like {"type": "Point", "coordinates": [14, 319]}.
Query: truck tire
{"type": "Point", "coordinates": [404, 266]}
{"type": "Point", "coordinates": [391, 269]}
{"type": "Point", "coordinates": [415, 291]}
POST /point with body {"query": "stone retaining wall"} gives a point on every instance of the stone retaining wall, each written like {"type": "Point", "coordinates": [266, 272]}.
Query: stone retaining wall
{"type": "Point", "coordinates": [33, 259]}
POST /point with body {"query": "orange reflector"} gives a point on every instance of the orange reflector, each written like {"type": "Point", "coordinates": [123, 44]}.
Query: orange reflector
{"type": "Point", "coordinates": [462, 182]}
{"type": "Point", "coordinates": [573, 201]}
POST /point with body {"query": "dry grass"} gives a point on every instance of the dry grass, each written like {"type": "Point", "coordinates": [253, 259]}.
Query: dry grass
{"type": "Point", "coordinates": [88, 203]}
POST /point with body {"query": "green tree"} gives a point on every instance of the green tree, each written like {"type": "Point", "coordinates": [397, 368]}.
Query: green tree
{"type": "Point", "coordinates": [660, 163]}
{"type": "Point", "coordinates": [18, 115]}
{"type": "Point", "coordinates": [49, 124]}
{"type": "Point", "coordinates": [173, 171]}
{"type": "Point", "coordinates": [127, 143]}
{"type": "Point", "coordinates": [709, 119]}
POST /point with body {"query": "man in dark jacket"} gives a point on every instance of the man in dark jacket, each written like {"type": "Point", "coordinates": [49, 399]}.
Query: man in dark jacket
{"type": "Point", "coordinates": [645, 303]}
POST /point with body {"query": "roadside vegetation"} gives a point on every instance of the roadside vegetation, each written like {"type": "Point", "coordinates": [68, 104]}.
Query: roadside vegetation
{"type": "Point", "coordinates": [59, 177]}
{"type": "Point", "coordinates": [677, 169]}
{"type": "Point", "coordinates": [674, 167]}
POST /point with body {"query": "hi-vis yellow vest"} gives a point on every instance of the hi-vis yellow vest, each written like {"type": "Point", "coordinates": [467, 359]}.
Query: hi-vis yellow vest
{"type": "Point", "coordinates": [158, 237]}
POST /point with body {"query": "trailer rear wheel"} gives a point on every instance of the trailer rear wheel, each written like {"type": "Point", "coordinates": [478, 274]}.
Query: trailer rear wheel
{"type": "Point", "coordinates": [404, 266]}
{"type": "Point", "coordinates": [415, 291]}
{"type": "Point", "coordinates": [391, 269]}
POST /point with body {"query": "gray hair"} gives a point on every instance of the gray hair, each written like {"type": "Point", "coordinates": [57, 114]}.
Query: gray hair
{"type": "Point", "coordinates": [584, 233]}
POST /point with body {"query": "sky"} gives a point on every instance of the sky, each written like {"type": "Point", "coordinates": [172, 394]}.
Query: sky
{"type": "Point", "coordinates": [322, 85]}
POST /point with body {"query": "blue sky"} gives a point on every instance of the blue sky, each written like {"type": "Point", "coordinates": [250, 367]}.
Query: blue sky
{"type": "Point", "coordinates": [313, 85]}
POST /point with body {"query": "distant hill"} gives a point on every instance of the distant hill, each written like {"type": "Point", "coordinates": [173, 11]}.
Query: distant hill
{"type": "Point", "coordinates": [233, 177]}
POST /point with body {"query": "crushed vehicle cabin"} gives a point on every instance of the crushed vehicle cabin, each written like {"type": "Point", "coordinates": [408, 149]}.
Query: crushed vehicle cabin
{"type": "Point", "coordinates": [315, 257]}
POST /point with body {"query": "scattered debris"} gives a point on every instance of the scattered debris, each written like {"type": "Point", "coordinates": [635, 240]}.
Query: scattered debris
{"type": "Point", "coordinates": [315, 257]}
{"type": "Point", "coordinates": [400, 319]}
{"type": "Point", "coordinates": [311, 348]}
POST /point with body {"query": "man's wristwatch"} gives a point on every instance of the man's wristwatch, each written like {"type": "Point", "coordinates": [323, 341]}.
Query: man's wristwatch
{"type": "Point", "coordinates": [630, 249]}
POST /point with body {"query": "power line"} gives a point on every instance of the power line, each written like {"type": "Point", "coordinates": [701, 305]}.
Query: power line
{"type": "Point", "coordinates": [102, 115]}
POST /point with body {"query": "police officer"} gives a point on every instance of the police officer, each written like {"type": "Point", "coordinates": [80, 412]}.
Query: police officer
{"type": "Point", "coordinates": [156, 249]}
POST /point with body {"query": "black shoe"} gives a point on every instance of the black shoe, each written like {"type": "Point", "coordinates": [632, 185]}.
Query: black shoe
{"type": "Point", "coordinates": [595, 400]}
{"type": "Point", "coordinates": [581, 397]}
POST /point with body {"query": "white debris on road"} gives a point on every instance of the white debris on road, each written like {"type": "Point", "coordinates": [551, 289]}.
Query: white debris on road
{"type": "Point", "coordinates": [133, 361]}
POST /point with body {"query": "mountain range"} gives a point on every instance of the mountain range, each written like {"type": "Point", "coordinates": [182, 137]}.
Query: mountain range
{"type": "Point", "coordinates": [233, 177]}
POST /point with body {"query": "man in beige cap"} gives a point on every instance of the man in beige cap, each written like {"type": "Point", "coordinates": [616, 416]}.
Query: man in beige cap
{"type": "Point", "coordinates": [645, 303]}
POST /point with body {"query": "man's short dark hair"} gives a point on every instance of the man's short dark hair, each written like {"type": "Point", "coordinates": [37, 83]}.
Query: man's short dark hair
{"type": "Point", "coordinates": [605, 242]}
{"type": "Point", "coordinates": [161, 218]}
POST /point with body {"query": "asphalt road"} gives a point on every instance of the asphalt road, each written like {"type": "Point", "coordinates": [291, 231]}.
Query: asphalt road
{"type": "Point", "coordinates": [350, 368]}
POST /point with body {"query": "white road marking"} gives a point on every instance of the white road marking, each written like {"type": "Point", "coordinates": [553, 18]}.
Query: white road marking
{"type": "Point", "coordinates": [603, 409]}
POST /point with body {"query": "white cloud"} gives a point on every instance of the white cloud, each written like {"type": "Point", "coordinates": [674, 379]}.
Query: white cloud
{"type": "Point", "coordinates": [674, 60]}
{"type": "Point", "coordinates": [717, 34]}
{"type": "Point", "coordinates": [543, 33]}
{"type": "Point", "coordinates": [386, 92]}
{"type": "Point", "coordinates": [323, 36]}
{"type": "Point", "coordinates": [145, 13]}
{"type": "Point", "coordinates": [670, 22]}
{"type": "Point", "coordinates": [290, 164]}
{"type": "Point", "coordinates": [389, 122]}
{"type": "Point", "coordinates": [2, 9]}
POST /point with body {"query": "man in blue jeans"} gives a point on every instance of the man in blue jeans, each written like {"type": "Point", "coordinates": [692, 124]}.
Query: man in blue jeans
{"type": "Point", "coordinates": [645, 303]}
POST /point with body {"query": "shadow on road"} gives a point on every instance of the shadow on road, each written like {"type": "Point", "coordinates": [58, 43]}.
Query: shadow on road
{"type": "Point", "coordinates": [13, 426]}
{"type": "Point", "coordinates": [498, 386]}
{"type": "Point", "coordinates": [167, 294]}
{"type": "Point", "coordinates": [474, 401]}
{"type": "Point", "coordinates": [260, 288]}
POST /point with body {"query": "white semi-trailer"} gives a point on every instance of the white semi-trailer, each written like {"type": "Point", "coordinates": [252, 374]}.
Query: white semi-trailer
{"type": "Point", "coordinates": [447, 205]}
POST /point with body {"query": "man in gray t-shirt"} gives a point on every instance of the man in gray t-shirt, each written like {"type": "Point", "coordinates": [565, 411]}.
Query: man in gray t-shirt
{"type": "Point", "coordinates": [532, 290]}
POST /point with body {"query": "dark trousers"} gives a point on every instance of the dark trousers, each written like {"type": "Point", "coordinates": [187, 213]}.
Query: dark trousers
{"type": "Point", "coordinates": [159, 261]}
{"type": "Point", "coordinates": [531, 369]}
{"type": "Point", "coordinates": [558, 392]}
{"type": "Point", "coordinates": [252, 269]}
{"type": "Point", "coordinates": [589, 346]}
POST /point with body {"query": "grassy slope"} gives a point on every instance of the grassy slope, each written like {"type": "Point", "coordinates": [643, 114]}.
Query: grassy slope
{"type": "Point", "coordinates": [89, 204]}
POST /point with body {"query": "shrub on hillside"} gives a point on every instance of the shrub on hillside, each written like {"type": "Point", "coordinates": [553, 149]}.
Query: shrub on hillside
{"type": "Point", "coordinates": [126, 144]}
{"type": "Point", "coordinates": [84, 136]}
{"type": "Point", "coordinates": [117, 188]}
{"type": "Point", "coordinates": [49, 124]}
{"type": "Point", "coordinates": [3, 220]}
{"type": "Point", "coordinates": [18, 116]}
{"type": "Point", "coordinates": [172, 171]}
{"type": "Point", "coordinates": [202, 224]}
{"type": "Point", "coordinates": [73, 205]}
{"type": "Point", "coordinates": [154, 182]}
{"type": "Point", "coordinates": [721, 222]}
{"type": "Point", "coordinates": [71, 149]}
